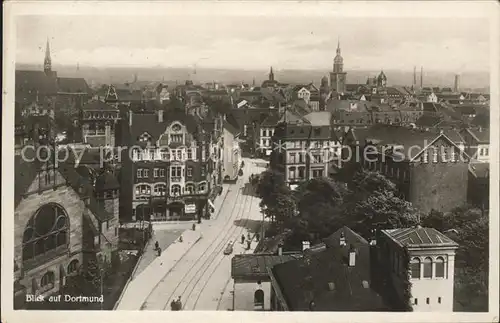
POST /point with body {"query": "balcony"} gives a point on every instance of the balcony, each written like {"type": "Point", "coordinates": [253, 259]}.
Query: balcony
{"type": "Point", "coordinates": [176, 179]}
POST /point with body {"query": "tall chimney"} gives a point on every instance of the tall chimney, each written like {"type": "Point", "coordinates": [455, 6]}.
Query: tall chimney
{"type": "Point", "coordinates": [456, 87]}
{"type": "Point", "coordinates": [414, 76]}
{"type": "Point", "coordinates": [280, 250]}
{"type": "Point", "coordinates": [130, 117]}
{"type": "Point", "coordinates": [421, 77]}
{"type": "Point", "coordinates": [160, 116]}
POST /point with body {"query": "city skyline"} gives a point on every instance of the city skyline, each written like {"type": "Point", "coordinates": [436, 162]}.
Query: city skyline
{"type": "Point", "coordinates": [236, 42]}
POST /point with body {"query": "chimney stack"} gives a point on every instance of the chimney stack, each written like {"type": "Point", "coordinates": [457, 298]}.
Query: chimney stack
{"type": "Point", "coordinates": [160, 116]}
{"type": "Point", "coordinates": [130, 117]}
{"type": "Point", "coordinates": [421, 77]}
{"type": "Point", "coordinates": [456, 86]}
{"type": "Point", "coordinates": [342, 239]}
{"type": "Point", "coordinates": [352, 257]}
{"type": "Point", "coordinates": [280, 250]}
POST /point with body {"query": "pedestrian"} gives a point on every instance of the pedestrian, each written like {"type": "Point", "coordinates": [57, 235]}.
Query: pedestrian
{"type": "Point", "coordinates": [180, 239]}
{"type": "Point", "coordinates": [242, 239]}
{"type": "Point", "coordinates": [249, 237]}
{"type": "Point", "coordinates": [157, 245]}
{"type": "Point", "coordinates": [179, 304]}
{"type": "Point", "coordinates": [248, 244]}
{"type": "Point", "coordinates": [257, 237]}
{"type": "Point", "coordinates": [194, 227]}
{"type": "Point", "coordinates": [173, 305]}
{"type": "Point", "coordinates": [159, 252]}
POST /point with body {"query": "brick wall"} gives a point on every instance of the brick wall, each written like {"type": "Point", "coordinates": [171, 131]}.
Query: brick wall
{"type": "Point", "coordinates": [74, 207]}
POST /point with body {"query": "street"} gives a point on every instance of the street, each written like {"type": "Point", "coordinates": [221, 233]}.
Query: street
{"type": "Point", "coordinates": [202, 274]}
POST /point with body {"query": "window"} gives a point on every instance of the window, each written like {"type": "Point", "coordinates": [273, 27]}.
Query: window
{"type": "Point", "coordinates": [145, 173]}
{"type": "Point", "coordinates": [203, 174]}
{"type": "Point", "coordinates": [73, 266]}
{"type": "Point", "coordinates": [48, 279]}
{"type": "Point", "coordinates": [415, 268]}
{"type": "Point", "coordinates": [190, 188]}
{"type": "Point", "coordinates": [176, 138]}
{"type": "Point", "coordinates": [176, 190]}
{"type": "Point", "coordinates": [202, 187]}
{"type": "Point", "coordinates": [291, 172]}
{"type": "Point", "coordinates": [152, 154]}
{"type": "Point", "coordinates": [189, 154]}
{"type": "Point", "coordinates": [142, 190]}
{"type": "Point", "coordinates": [160, 189]}
{"type": "Point", "coordinates": [139, 173]}
{"type": "Point", "coordinates": [189, 171]}
{"type": "Point", "coordinates": [292, 158]}
{"type": "Point", "coordinates": [439, 300]}
{"type": "Point", "coordinates": [427, 267]}
{"type": "Point", "coordinates": [155, 172]}
{"type": "Point", "coordinates": [434, 155]}
{"type": "Point", "coordinates": [165, 154]}
{"type": "Point", "coordinates": [176, 171]}
{"type": "Point", "coordinates": [162, 172]}
{"type": "Point", "coordinates": [416, 301]}
{"type": "Point", "coordinates": [439, 267]}
{"type": "Point", "coordinates": [427, 300]}
{"type": "Point", "coordinates": [486, 151]}
{"type": "Point", "coordinates": [301, 172]}
{"type": "Point", "coordinates": [45, 231]}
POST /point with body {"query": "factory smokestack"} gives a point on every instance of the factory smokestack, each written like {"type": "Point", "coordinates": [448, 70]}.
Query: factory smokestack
{"type": "Point", "coordinates": [456, 86]}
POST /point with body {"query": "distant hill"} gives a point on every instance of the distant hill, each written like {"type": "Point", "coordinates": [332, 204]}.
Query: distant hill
{"type": "Point", "coordinates": [94, 75]}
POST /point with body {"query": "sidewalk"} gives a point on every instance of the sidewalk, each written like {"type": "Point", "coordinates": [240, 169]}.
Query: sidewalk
{"type": "Point", "coordinates": [139, 287]}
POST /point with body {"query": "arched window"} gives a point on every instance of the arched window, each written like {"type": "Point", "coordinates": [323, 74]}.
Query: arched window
{"type": "Point", "coordinates": [48, 279]}
{"type": "Point", "coordinates": [160, 189]}
{"type": "Point", "coordinates": [258, 297]}
{"type": "Point", "coordinates": [427, 267]}
{"type": "Point", "coordinates": [439, 267]}
{"type": "Point", "coordinates": [142, 190]}
{"type": "Point", "coordinates": [176, 190]}
{"type": "Point", "coordinates": [46, 230]}
{"type": "Point", "coordinates": [73, 266]}
{"type": "Point", "coordinates": [415, 268]}
{"type": "Point", "coordinates": [202, 187]}
{"type": "Point", "coordinates": [190, 188]}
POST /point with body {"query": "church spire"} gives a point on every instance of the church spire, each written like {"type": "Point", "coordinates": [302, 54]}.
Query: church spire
{"type": "Point", "coordinates": [271, 74]}
{"type": "Point", "coordinates": [47, 63]}
{"type": "Point", "coordinates": [338, 46]}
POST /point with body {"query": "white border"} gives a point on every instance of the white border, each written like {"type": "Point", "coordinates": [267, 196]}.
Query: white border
{"type": "Point", "coordinates": [488, 10]}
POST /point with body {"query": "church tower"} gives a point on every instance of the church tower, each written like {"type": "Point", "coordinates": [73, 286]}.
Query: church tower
{"type": "Point", "coordinates": [47, 62]}
{"type": "Point", "coordinates": [338, 76]}
{"type": "Point", "coordinates": [271, 74]}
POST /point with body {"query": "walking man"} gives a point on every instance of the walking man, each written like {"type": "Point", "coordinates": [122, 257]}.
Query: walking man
{"type": "Point", "coordinates": [242, 239]}
{"type": "Point", "coordinates": [157, 245]}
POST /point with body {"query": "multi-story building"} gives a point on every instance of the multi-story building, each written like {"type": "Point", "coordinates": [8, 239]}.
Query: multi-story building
{"type": "Point", "coordinates": [431, 266]}
{"type": "Point", "coordinates": [304, 146]}
{"type": "Point", "coordinates": [61, 224]}
{"type": "Point", "coordinates": [98, 121]}
{"type": "Point", "coordinates": [266, 133]}
{"type": "Point", "coordinates": [428, 167]}
{"type": "Point", "coordinates": [166, 172]}
{"type": "Point", "coordinates": [477, 143]}
{"type": "Point", "coordinates": [231, 158]}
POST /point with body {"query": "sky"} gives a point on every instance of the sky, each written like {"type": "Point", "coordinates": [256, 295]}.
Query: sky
{"type": "Point", "coordinates": [256, 42]}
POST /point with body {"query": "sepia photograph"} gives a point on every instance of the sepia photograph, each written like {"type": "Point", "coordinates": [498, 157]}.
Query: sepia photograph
{"type": "Point", "coordinates": [185, 157]}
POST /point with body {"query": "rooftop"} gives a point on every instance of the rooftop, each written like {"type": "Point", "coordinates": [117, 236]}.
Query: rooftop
{"type": "Point", "coordinates": [256, 266]}
{"type": "Point", "coordinates": [419, 237]}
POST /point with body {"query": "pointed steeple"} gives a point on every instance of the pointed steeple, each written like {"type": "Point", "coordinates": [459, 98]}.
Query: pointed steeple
{"type": "Point", "coordinates": [47, 63]}
{"type": "Point", "coordinates": [271, 74]}
{"type": "Point", "coordinates": [338, 46]}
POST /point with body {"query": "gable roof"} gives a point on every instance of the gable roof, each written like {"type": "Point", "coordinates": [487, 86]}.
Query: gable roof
{"type": "Point", "coordinates": [480, 135]}
{"type": "Point", "coordinates": [29, 82]}
{"type": "Point", "coordinates": [255, 266]}
{"type": "Point", "coordinates": [419, 237]}
{"type": "Point", "coordinates": [325, 279]}
{"type": "Point", "coordinates": [72, 85]}
{"type": "Point", "coordinates": [319, 118]}
{"type": "Point", "coordinates": [271, 120]}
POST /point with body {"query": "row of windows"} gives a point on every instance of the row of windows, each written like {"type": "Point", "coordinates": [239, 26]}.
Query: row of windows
{"type": "Point", "coordinates": [483, 152]}
{"type": "Point", "coordinates": [387, 170]}
{"type": "Point", "coordinates": [165, 154]}
{"type": "Point", "coordinates": [427, 300]}
{"type": "Point", "coordinates": [176, 189]}
{"type": "Point", "coordinates": [428, 268]}
{"type": "Point", "coordinates": [175, 171]}
{"type": "Point", "coordinates": [267, 132]}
